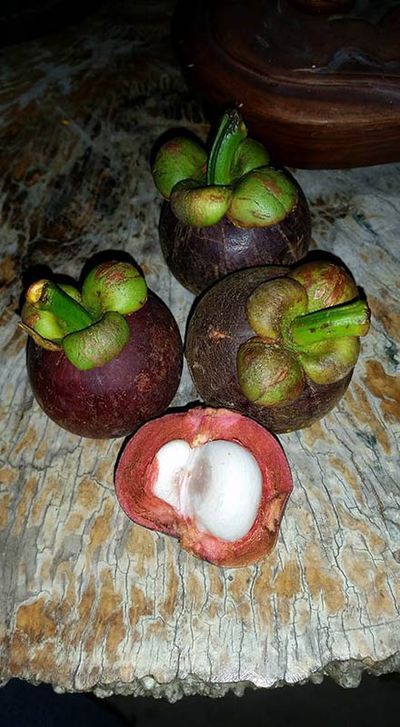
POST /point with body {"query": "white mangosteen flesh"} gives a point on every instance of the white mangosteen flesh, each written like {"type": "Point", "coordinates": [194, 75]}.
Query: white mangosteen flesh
{"type": "Point", "coordinates": [217, 484]}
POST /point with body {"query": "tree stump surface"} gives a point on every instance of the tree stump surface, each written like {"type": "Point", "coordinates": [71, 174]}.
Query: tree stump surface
{"type": "Point", "coordinates": [89, 601]}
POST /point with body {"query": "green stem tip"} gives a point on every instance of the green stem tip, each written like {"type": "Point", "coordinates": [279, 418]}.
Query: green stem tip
{"type": "Point", "coordinates": [231, 132]}
{"type": "Point", "coordinates": [89, 327]}
{"type": "Point", "coordinates": [349, 319]}
{"type": "Point", "coordinates": [48, 296]}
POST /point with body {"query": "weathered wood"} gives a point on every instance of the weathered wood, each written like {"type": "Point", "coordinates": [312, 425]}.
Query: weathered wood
{"type": "Point", "coordinates": [88, 600]}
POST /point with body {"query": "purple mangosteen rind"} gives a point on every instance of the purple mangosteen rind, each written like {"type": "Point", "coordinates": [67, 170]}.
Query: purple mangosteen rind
{"type": "Point", "coordinates": [89, 326]}
{"type": "Point", "coordinates": [218, 328]}
{"type": "Point", "coordinates": [116, 398]}
{"type": "Point", "coordinates": [103, 361]}
{"type": "Point", "coordinates": [199, 256]}
{"type": "Point", "coordinates": [227, 210]}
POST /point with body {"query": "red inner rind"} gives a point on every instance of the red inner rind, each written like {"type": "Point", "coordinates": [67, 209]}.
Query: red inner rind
{"type": "Point", "coordinates": [137, 470]}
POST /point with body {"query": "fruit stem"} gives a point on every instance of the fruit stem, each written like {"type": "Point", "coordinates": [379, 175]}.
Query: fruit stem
{"type": "Point", "coordinates": [231, 132]}
{"type": "Point", "coordinates": [47, 296]}
{"type": "Point", "coordinates": [349, 319]}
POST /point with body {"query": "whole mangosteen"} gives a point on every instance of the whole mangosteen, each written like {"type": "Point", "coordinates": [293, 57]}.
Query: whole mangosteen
{"type": "Point", "coordinates": [213, 478]}
{"type": "Point", "coordinates": [277, 344]}
{"type": "Point", "coordinates": [104, 360]}
{"type": "Point", "coordinates": [228, 210]}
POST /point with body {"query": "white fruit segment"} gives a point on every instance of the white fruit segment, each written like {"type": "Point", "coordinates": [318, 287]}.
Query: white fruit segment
{"type": "Point", "coordinates": [218, 484]}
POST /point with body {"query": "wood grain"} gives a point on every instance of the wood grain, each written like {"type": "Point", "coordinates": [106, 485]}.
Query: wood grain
{"type": "Point", "coordinates": [88, 600]}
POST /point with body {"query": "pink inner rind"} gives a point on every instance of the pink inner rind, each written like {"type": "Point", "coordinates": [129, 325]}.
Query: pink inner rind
{"type": "Point", "coordinates": [136, 473]}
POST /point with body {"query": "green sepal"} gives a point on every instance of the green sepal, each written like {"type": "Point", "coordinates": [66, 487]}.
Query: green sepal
{"type": "Point", "coordinates": [249, 155]}
{"type": "Point", "coordinates": [178, 159]}
{"type": "Point", "coordinates": [99, 343]}
{"type": "Point", "coordinates": [262, 198]}
{"type": "Point", "coordinates": [42, 322]}
{"type": "Point", "coordinates": [199, 206]}
{"type": "Point", "coordinates": [71, 291]}
{"type": "Point", "coordinates": [114, 286]}
{"type": "Point", "coordinates": [327, 284]}
{"type": "Point", "coordinates": [329, 361]}
{"type": "Point", "coordinates": [41, 341]}
{"type": "Point", "coordinates": [268, 374]}
{"type": "Point", "coordinates": [273, 305]}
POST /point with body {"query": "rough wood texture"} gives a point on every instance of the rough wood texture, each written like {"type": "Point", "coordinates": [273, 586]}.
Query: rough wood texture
{"type": "Point", "coordinates": [89, 601]}
{"type": "Point", "coordinates": [320, 91]}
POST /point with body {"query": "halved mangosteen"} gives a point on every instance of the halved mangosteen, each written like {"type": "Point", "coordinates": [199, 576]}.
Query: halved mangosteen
{"type": "Point", "coordinates": [215, 479]}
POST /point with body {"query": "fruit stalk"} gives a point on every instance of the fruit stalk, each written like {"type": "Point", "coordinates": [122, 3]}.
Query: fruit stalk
{"type": "Point", "coordinates": [48, 296]}
{"type": "Point", "coordinates": [231, 132]}
{"type": "Point", "coordinates": [200, 188]}
{"type": "Point", "coordinates": [350, 319]}
{"type": "Point", "coordinates": [92, 333]}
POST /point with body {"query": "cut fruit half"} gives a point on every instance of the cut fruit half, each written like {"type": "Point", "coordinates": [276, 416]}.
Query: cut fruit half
{"type": "Point", "coordinates": [213, 478]}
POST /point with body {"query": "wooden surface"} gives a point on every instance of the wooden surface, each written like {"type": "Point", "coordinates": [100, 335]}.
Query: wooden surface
{"type": "Point", "coordinates": [321, 91]}
{"type": "Point", "coordinates": [88, 600]}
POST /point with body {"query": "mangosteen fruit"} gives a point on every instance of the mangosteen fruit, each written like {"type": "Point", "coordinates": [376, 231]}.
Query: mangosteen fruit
{"type": "Point", "coordinates": [215, 479]}
{"type": "Point", "coordinates": [227, 210]}
{"type": "Point", "coordinates": [278, 344]}
{"type": "Point", "coordinates": [103, 360]}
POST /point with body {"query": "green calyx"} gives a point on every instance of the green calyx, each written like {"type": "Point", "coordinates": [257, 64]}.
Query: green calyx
{"type": "Point", "coordinates": [235, 179]}
{"type": "Point", "coordinates": [178, 159]}
{"type": "Point", "coordinates": [295, 338]}
{"type": "Point", "coordinates": [114, 286]}
{"type": "Point", "coordinates": [327, 284]}
{"type": "Point", "coordinates": [268, 375]}
{"type": "Point", "coordinates": [97, 344]}
{"type": "Point", "coordinates": [261, 198]}
{"type": "Point", "coordinates": [89, 326]}
{"type": "Point", "coordinates": [200, 206]}
{"type": "Point", "coordinates": [249, 155]}
{"type": "Point", "coordinates": [273, 305]}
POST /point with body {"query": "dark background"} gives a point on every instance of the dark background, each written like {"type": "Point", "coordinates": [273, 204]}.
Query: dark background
{"type": "Point", "coordinates": [374, 703]}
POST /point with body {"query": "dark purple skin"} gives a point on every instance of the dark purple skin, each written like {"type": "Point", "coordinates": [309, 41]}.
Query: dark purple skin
{"type": "Point", "coordinates": [114, 399]}
{"type": "Point", "coordinates": [199, 256]}
{"type": "Point", "coordinates": [217, 329]}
